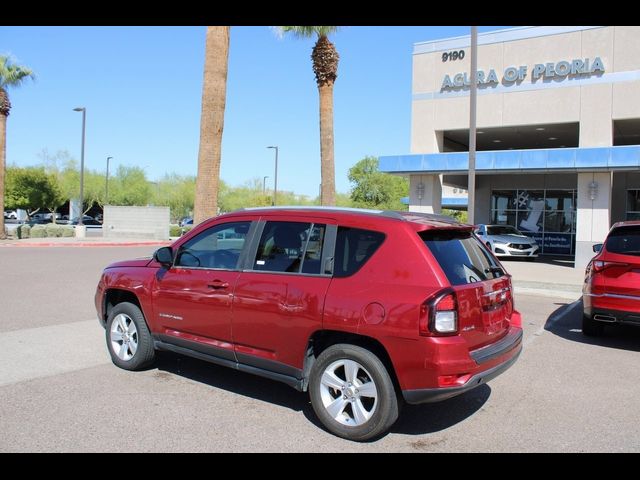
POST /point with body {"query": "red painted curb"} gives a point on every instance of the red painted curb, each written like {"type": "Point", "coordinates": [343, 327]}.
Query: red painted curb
{"type": "Point", "coordinates": [85, 244]}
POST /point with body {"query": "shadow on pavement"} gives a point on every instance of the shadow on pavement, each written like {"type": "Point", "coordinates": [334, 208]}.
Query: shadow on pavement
{"type": "Point", "coordinates": [566, 322]}
{"type": "Point", "coordinates": [413, 420]}
{"type": "Point", "coordinates": [434, 417]}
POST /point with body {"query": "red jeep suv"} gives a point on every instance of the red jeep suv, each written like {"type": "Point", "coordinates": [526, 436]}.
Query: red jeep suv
{"type": "Point", "coordinates": [611, 291]}
{"type": "Point", "coordinates": [361, 308]}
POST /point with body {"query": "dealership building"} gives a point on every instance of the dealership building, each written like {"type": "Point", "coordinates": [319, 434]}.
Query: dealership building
{"type": "Point", "coordinates": [558, 131]}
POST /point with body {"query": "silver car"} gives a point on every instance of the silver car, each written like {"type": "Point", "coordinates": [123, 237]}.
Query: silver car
{"type": "Point", "coordinates": [507, 241]}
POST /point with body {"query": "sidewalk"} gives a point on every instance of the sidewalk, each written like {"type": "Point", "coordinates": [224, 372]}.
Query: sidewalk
{"type": "Point", "coordinates": [553, 277]}
{"type": "Point", "coordinates": [82, 242]}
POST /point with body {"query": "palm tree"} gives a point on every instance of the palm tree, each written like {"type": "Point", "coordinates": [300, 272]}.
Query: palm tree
{"type": "Point", "coordinates": [214, 93]}
{"type": "Point", "coordinates": [325, 66]}
{"type": "Point", "coordinates": [11, 75]}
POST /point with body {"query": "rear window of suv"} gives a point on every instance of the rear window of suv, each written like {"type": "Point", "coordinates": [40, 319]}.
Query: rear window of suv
{"type": "Point", "coordinates": [624, 240]}
{"type": "Point", "coordinates": [461, 256]}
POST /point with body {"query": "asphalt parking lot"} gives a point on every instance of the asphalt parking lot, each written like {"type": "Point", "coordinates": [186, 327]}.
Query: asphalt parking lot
{"type": "Point", "coordinates": [60, 392]}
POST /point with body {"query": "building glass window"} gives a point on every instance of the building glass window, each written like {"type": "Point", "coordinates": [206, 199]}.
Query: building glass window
{"type": "Point", "coordinates": [548, 216]}
{"type": "Point", "coordinates": [633, 205]}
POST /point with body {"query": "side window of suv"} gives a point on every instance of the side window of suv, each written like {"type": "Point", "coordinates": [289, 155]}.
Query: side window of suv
{"type": "Point", "coordinates": [216, 247]}
{"type": "Point", "coordinates": [353, 248]}
{"type": "Point", "coordinates": [293, 247]}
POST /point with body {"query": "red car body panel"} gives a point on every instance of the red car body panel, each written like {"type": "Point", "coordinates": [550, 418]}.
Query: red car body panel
{"type": "Point", "coordinates": [266, 320]}
{"type": "Point", "coordinates": [612, 282]}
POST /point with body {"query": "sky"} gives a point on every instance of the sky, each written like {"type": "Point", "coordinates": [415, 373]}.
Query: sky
{"type": "Point", "coordinates": [142, 89]}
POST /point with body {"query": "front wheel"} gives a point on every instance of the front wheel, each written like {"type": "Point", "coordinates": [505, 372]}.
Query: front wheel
{"type": "Point", "coordinates": [128, 339]}
{"type": "Point", "coordinates": [352, 393]}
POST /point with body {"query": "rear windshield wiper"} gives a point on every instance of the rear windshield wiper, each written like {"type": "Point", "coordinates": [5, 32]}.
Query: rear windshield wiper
{"type": "Point", "coordinates": [494, 269]}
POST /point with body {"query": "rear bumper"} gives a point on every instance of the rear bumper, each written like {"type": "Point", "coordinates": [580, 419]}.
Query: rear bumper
{"type": "Point", "coordinates": [505, 352]}
{"type": "Point", "coordinates": [430, 395]}
{"type": "Point", "coordinates": [611, 315]}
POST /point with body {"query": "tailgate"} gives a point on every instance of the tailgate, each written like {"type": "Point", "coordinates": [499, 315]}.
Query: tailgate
{"type": "Point", "coordinates": [483, 290]}
{"type": "Point", "coordinates": [484, 310]}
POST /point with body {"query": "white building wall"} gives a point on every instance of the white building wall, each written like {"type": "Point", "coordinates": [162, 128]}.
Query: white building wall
{"type": "Point", "coordinates": [136, 222]}
{"type": "Point", "coordinates": [594, 216]}
{"type": "Point", "coordinates": [594, 101]}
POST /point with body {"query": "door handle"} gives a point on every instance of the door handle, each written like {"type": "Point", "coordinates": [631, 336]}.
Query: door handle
{"type": "Point", "coordinates": [218, 285]}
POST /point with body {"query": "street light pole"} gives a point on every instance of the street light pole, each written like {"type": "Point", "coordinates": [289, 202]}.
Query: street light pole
{"type": "Point", "coordinates": [264, 185]}
{"type": "Point", "coordinates": [275, 180]}
{"type": "Point", "coordinates": [106, 184]}
{"type": "Point", "coordinates": [471, 190]}
{"type": "Point", "coordinates": [84, 118]}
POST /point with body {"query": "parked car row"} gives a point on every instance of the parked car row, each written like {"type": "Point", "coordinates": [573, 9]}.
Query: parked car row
{"type": "Point", "coordinates": [47, 217]}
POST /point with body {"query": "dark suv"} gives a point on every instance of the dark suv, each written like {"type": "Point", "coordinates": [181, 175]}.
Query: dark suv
{"type": "Point", "coordinates": [362, 308]}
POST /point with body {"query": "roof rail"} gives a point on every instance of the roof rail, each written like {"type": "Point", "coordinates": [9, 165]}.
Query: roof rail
{"type": "Point", "coordinates": [398, 215]}
{"type": "Point", "coordinates": [386, 213]}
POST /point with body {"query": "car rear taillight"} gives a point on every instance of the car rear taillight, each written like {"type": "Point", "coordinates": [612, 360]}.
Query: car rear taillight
{"type": "Point", "coordinates": [439, 315]}
{"type": "Point", "coordinates": [600, 265]}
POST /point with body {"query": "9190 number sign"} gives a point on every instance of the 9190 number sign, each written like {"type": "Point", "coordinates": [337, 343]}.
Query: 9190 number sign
{"type": "Point", "coordinates": [455, 55]}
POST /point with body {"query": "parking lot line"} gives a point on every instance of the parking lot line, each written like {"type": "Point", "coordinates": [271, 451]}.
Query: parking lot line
{"type": "Point", "coordinates": [45, 351]}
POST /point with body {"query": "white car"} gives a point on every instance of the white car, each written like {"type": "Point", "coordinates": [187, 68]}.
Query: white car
{"type": "Point", "coordinates": [10, 214]}
{"type": "Point", "coordinates": [507, 241]}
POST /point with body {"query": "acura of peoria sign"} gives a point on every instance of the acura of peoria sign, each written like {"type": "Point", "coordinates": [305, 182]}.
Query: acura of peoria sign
{"type": "Point", "coordinates": [517, 75]}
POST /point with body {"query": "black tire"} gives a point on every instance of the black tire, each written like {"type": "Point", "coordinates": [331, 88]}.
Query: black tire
{"type": "Point", "coordinates": [144, 355]}
{"type": "Point", "coordinates": [590, 327]}
{"type": "Point", "coordinates": [384, 410]}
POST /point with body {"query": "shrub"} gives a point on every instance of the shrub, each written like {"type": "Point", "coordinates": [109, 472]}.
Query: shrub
{"type": "Point", "coordinates": [175, 231]}
{"type": "Point", "coordinates": [68, 232]}
{"type": "Point", "coordinates": [53, 230]}
{"type": "Point", "coordinates": [38, 231]}
{"type": "Point", "coordinates": [23, 231]}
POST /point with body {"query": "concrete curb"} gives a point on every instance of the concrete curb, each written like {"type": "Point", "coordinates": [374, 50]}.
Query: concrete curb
{"type": "Point", "coordinates": [544, 292]}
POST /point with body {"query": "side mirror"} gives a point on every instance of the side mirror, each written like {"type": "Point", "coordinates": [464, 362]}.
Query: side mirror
{"type": "Point", "coordinates": [164, 256]}
{"type": "Point", "coordinates": [597, 247]}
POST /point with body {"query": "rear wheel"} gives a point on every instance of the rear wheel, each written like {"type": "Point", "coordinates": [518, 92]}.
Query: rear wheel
{"type": "Point", "coordinates": [128, 338]}
{"type": "Point", "coordinates": [591, 327]}
{"type": "Point", "coordinates": [352, 393]}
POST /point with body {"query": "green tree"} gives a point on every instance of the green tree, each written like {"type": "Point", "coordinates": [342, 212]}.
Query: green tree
{"type": "Point", "coordinates": [31, 189]}
{"type": "Point", "coordinates": [129, 186]}
{"type": "Point", "coordinates": [214, 94]}
{"type": "Point", "coordinates": [375, 189]}
{"type": "Point", "coordinates": [11, 75]}
{"type": "Point", "coordinates": [459, 215]}
{"type": "Point", "coordinates": [176, 192]}
{"type": "Point", "coordinates": [325, 66]}
{"type": "Point", "coordinates": [248, 195]}
{"type": "Point", "coordinates": [68, 177]}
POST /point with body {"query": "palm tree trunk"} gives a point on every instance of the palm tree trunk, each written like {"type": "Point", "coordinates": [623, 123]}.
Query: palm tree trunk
{"type": "Point", "coordinates": [327, 167]}
{"type": "Point", "coordinates": [214, 93]}
{"type": "Point", "coordinates": [3, 153]}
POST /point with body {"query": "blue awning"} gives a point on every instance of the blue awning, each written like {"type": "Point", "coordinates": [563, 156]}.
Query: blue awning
{"type": "Point", "coordinates": [550, 159]}
{"type": "Point", "coordinates": [447, 202]}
